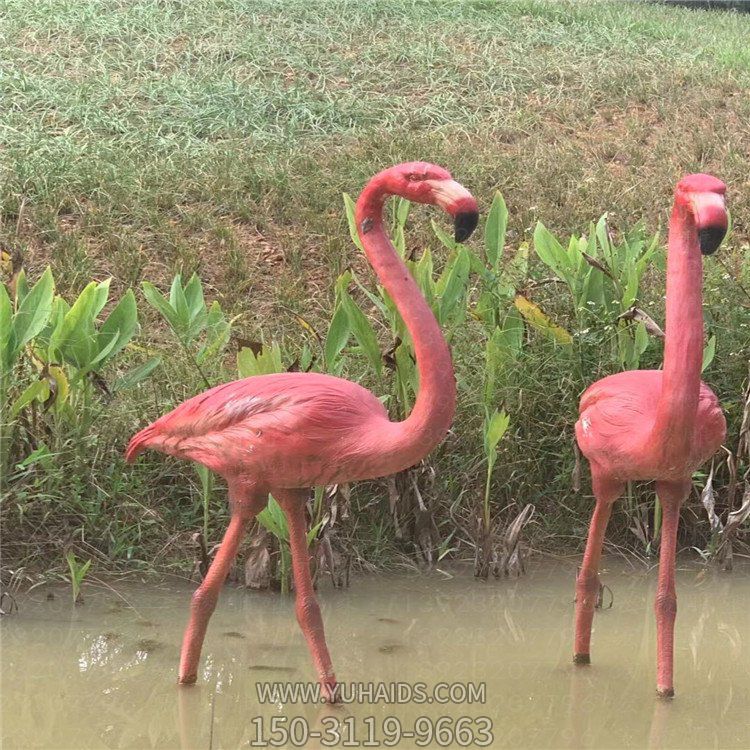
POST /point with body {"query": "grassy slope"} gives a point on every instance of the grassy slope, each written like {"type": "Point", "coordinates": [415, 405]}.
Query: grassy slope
{"type": "Point", "coordinates": [147, 137]}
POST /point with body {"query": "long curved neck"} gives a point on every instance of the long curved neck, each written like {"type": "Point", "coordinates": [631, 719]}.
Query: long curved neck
{"type": "Point", "coordinates": [683, 347]}
{"type": "Point", "coordinates": [435, 404]}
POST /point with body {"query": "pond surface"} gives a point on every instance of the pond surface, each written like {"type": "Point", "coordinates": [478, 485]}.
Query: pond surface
{"type": "Point", "coordinates": [102, 674]}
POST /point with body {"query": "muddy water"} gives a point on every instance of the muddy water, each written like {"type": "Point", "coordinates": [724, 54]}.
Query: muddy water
{"type": "Point", "coordinates": [102, 675]}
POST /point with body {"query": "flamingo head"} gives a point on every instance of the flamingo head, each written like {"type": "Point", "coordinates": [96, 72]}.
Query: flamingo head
{"type": "Point", "coordinates": [421, 182]}
{"type": "Point", "coordinates": [703, 197]}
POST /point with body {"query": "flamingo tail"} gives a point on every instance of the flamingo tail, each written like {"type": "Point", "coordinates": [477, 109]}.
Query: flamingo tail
{"type": "Point", "coordinates": [139, 442]}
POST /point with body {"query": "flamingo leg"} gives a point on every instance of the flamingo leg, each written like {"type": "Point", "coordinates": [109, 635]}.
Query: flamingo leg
{"type": "Point", "coordinates": [671, 495]}
{"type": "Point", "coordinates": [307, 608]}
{"type": "Point", "coordinates": [205, 597]}
{"type": "Point", "coordinates": [606, 491]}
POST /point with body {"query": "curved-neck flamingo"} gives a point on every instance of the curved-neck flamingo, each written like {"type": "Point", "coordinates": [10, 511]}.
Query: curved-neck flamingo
{"type": "Point", "coordinates": [286, 433]}
{"type": "Point", "coordinates": [656, 424]}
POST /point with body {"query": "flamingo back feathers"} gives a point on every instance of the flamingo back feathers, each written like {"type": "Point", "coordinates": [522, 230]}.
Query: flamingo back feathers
{"type": "Point", "coordinates": [302, 426]}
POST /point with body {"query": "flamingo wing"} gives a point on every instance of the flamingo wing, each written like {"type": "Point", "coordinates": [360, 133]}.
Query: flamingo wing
{"type": "Point", "coordinates": [617, 415]}
{"type": "Point", "coordinates": [292, 427]}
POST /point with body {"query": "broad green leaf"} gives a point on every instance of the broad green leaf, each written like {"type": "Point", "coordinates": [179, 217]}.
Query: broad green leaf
{"type": "Point", "coordinates": [75, 338]}
{"type": "Point", "coordinates": [247, 365]}
{"type": "Point", "coordinates": [22, 287]}
{"type": "Point", "coordinates": [119, 327]}
{"type": "Point", "coordinates": [204, 474]}
{"type": "Point", "coordinates": [338, 335]}
{"type": "Point", "coordinates": [493, 361]}
{"type": "Point", "coordinates": [34, 310]}
{"type": "Point", "coordinates": [100, 297]}
{"type": "Point", "coordinates": [642, 340]}
{"type": "Point", "coordinates": [494, 230]}
{"type": "Point", "coordinates": [611, 258]}
{"type": "Point", "coordinates": [397, 225]}
{"type": "Point", "coordinates": [399, 242]}
{"type": "Point", "coordinates": [272, 519]}
{"type": "Point", "coordinates": [647, 255]}
{"type": "Point", "coordinates": [41, 455]}
{"type": "Point", "coordinates": [194, 296]}
{"type": "Point", "coordinates": [378, 301]}
{"type": "Point", "coordinates": [551, 253]}
{"type": "Point", "coordinates": [266, 362]}
{"type": "Point", "coordinates": [196, 308]}
{"type": "Point", "coordinates": [218, 331]}
{"type": "Point", "coordinates": [407, 373]}
{"type": "Point", "coordinates": [403, 206]}
{"type": "Point", "coordinates": [60, 309]}
{"type": "Point", "coordinates": [592, 292]}
{"type": "Point", "coordinates": [422, 271]}
{"type": "Point", "coordinates": [625, 347]}
{"type": "Point", "coordinates": [305, 358]}
{"type": "Point", "coordinates": [502, 349]}
{"type": "Point", "coordinates": [37, 391]}
{"type": "Point", "coordinates": [363, 332]}
{"type": "Point", "coordinates": [631, 285]}
{"type": "Point", "coordinates": [452, 284]}
{"type": "Point", "coordinates": [102, 354]}
{"type": "Point", "coordinates": [6, 313]}
{"type": "Point", "coordinates": [179, 304]}
{"type": "Point", "coordinates": [138, 374]}
{"type": "Point", "coordinates": [314, 532]}
{"type": "Point", "coordinates": [155, 298]}
{"type": "Point", "coordinates": [349, 207]}
{"type": "Point", "coordinates": [495, 426]}
{"type": "Point", "coordinates": [513, 330]}
{"type": "Point", "coordinates": [708, 353]}
{"type": "Point", "coordinates": [486, 309]}
{"type": "Point", "coordinates": [443, 236]}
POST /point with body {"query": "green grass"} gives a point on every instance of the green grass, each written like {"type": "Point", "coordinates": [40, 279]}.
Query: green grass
{"type": "Point", "coordinates": [143, 134]}
{"type": "Point", "coordinates": [144, 138]}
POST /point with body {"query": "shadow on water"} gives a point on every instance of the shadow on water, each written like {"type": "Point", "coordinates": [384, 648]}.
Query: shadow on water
{"type": "Point", "coordinates": [104, 676]}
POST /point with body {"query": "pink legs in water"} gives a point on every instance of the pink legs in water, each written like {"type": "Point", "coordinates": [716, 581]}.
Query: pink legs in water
{"type": "Point", "coordinates": [308, 612]}
{"type": "Point", "coordinates": [606, 490]}
{"type": "Point", "coordinates": [671, 496]}
{"type": "Point", "coordinates": [205, 597]}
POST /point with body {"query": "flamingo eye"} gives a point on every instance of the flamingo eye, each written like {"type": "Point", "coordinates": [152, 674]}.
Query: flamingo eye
{"type": "Point", "coordinates": [412, 177]}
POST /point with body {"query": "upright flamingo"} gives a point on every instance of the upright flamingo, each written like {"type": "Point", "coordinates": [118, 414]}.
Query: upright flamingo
{"type": "Point", "coordinates": [286, 433]}
{"type": "Point", "coordinates": [656, 424]}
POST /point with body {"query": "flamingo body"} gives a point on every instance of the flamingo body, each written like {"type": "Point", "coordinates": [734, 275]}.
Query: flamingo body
{"type": "Point", "coordinates": [288, 430]}
{"type": "Point", "coordinates": [617, 419]}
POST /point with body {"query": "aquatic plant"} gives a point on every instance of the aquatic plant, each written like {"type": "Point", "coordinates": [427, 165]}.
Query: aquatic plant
{"type": "Point", "coordinates": [78, 571]}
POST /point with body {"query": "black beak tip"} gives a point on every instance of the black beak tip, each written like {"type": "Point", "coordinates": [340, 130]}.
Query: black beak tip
{"type": "Point", "coordinates": [709, 239]}
{"type": "Point", "coordinates": [464, 224]}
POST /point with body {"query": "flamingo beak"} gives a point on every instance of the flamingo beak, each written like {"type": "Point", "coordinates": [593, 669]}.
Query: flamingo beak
{"type": "Point", "coordinates": [456, 200]}
{"type": "Point", "coordinates": [711, 220]}
{"type": "Point", "coordinates": [464, 223]}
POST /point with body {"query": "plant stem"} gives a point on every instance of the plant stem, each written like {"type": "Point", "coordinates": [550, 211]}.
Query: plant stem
{"type": "Point", "coordinates": [487, 499]}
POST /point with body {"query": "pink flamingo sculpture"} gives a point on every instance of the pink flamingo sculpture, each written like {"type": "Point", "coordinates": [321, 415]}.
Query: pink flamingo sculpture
{"type": "Point", "coordinates": [656, 424]}
{"type": "Point", "coordinates": [286, 433]}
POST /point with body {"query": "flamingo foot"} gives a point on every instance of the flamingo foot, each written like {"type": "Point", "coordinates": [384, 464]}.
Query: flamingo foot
{"type": "Point", "coordinates": [582, 659]}
{"type": "Point", "coordinates": [329, 691]}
